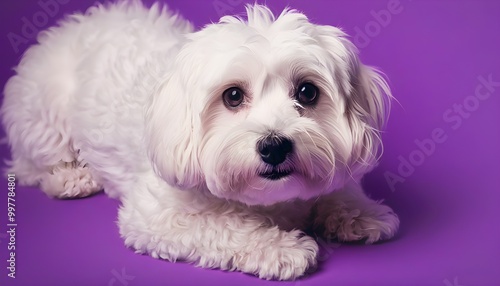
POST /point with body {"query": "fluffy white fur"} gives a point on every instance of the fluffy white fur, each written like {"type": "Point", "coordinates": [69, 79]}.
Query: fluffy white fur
{"type": "Point", "coordinates": [129, 99]}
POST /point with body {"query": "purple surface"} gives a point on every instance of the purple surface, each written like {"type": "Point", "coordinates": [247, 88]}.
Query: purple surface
{"type": "Point", "coordinates": [433, 52]}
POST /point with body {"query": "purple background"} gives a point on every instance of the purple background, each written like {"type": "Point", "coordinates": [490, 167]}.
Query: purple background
{"type": "Point", "coordinates": [433, 53]}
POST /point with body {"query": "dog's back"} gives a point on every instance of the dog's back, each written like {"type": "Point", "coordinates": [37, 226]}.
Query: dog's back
{"type": "Point", "coordinates": [61, 109]}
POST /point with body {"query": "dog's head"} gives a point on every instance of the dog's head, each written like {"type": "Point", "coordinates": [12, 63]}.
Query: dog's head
{"type": "Point", "coordinates": [266, 110]}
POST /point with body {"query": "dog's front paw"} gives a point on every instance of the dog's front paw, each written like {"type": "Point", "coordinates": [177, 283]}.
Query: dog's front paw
{"type": "Point", "coordinates": [287, 256]}
{"type": "Point", "coordinates": [374, 223]}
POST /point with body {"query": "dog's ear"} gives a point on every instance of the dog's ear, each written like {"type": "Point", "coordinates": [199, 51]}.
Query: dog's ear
{"type": "Point", "coordinates": [172, 135]}
{"type": "Point", "coordinates": [367, 110]}
{"type": "Point", "coordinates": [367, 97]}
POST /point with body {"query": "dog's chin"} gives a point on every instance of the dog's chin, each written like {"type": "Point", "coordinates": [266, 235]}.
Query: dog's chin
{"type": "Point", "coordinates": [272, 186]}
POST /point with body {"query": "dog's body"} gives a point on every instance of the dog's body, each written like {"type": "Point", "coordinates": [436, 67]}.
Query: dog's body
{"type": "Point", "coordinates": [128, 99]}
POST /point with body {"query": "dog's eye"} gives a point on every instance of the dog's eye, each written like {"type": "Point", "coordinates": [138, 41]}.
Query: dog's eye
{"type": "Point", "coordinates": [307, 93]}
{"type": "Point", "coordinates": [233, 97]}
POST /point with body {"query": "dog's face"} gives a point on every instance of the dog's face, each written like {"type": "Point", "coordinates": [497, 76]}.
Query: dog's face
{"type": "Point", "coordinates": [266, 110]}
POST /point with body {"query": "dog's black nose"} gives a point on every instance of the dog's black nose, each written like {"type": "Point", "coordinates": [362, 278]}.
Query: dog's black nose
{"type": "Point", "coordinates": [274, 149]}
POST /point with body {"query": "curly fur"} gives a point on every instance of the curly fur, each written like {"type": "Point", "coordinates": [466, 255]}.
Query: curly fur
{"type": "Point", "coordinates": [127, 99]}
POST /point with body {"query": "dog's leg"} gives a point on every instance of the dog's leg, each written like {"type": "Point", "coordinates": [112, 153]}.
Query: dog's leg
{"type": "Point", "coordinates": [36, 115]}
{"type": "Point", "coordinates": [57, 172]}
{"type": "Point", "coordinates": [213, 234]}
{"type": "Point", "coordinates": [62, 179]}
{"type": "Point", "coordinates": [349, 215]}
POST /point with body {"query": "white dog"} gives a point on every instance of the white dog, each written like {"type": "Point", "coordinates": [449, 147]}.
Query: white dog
{"type": "Point", "coordinates": [222, 144]}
